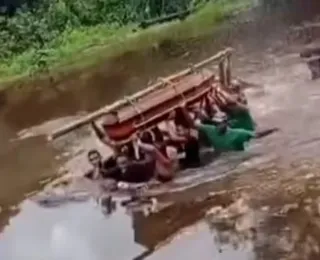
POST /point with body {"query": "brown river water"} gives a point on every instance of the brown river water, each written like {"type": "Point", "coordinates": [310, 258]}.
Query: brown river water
{"type": "Point", "coordinates": [260, 204]}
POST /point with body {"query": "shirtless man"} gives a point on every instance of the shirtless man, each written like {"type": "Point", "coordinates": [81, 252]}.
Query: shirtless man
{"type": "Point", "coordinates": [181, 136]}
{"type": "Point", "coordinates": [165, 163]}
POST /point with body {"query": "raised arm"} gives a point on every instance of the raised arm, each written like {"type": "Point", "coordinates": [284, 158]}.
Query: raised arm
{"type": "Point", "coordinates": [101, 135]}
{"type": "Point", "coordinates": [208, 106]}
{"type": "Point", "coordinates": [145, 160]}
{"type": "Point", "coordinates": [235, 103]}
{"type": "Point", "coordinates": [173, 135]}
{"type": "Point", "coordinates": [154, 152]}
{"type": "Point", "coordinates": [187, 117]}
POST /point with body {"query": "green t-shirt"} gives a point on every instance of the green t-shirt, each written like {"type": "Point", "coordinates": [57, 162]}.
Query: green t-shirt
{"type": "Point", "coordinates": [242, 120]}
{"type": "Point", "coordinates": [232, 140]}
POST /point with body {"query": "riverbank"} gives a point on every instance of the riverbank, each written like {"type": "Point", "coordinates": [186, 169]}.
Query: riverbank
{"type": "Point", "coordinates": [84, 48]}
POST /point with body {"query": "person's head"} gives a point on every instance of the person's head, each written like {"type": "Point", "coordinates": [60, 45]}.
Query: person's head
{"type": "Point", "coordinates": [147, 138]}
{"type": "Point", "coordinates": [182, 130]}
{"type": "Point", "coordinates": [194, 110]}
{"type": "Point", "coordinates": [123, 159]}
{"type": "Point", "coordinates": [128, 150]}
{"type": "Point", "coordinates": [158, 136]}
{"type": "Point", "coordinates": [94, 158]}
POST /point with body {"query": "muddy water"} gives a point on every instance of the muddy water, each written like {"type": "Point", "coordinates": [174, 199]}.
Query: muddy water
{"type": "Point", "coordinates": [274, 184]}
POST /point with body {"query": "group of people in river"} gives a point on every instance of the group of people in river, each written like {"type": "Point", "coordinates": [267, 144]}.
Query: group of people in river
{"type": "Point", "coordinates": [176, 144]}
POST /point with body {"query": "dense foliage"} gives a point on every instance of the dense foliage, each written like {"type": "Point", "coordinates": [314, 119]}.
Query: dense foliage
{"type": "Point", "coordinates": [46, 32]}
{"type": "Point", "coordinates": [44, 23]}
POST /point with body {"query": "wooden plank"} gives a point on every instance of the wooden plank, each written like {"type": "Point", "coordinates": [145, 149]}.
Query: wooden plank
{"type": "Point", "coordinates": [115, 106]}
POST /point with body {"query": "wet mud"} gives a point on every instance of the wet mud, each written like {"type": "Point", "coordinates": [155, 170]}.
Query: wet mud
{"type": "Point", "coordinates": [260, 204]}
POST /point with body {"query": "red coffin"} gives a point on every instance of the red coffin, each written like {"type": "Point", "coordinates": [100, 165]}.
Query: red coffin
{"type": "Point", "coordinates": [155, 107]}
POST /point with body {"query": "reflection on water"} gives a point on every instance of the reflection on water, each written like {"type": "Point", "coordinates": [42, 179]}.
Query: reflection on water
{"type": "Point", "coordinates": [74, 231]}
{"type": "Point", "coordinates": [197, 241]}
{"type": "Point", "coordinates": [273, 225]}
{"type": "Point", "coordinates": [82, 231]}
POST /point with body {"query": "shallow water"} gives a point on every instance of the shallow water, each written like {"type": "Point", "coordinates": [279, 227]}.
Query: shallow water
{"type": "Point", "coordinates": [275, 171]}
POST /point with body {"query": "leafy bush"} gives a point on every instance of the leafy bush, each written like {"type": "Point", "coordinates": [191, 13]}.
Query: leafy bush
{"type": "Point", "coordinates": [52, 32]}
{"type": "Point", "coordinates": [38, 26]}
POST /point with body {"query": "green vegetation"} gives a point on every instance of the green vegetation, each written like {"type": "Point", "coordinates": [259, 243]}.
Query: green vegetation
{"type": "Point", "coordinates": [59, 34]}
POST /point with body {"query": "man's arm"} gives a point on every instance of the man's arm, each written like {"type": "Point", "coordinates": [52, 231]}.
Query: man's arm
{"type": "Point", "coordinates": [146, 160]}
{"type": "Point", "coordinates": [239, 106]}
{"type": "Point", "coordinates": [101, 135]}
{"type": "Point", "coordinates": [154, 152]}
{"type": "Point", "coordinates": [148, 148]}
{"type": "Point", "coordinates": [173, 135]}
{"type": "Point", "coordinates": [192, 123]}
{"type": "Point", "coordinates": [235, 104]}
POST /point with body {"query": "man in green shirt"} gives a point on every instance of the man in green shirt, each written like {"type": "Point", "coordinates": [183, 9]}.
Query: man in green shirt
{"type": "Point", "coordinates": [227, 139]}
{"type": "Point", "coordinates": [222, 137]}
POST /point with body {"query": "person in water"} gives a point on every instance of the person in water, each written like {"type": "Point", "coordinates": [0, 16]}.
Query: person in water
{"type": "Point", "coordinates": [100, 167]}
{"type": "Point", "coordinates": [191, 147]}
{"type": "Point", "coordinates": [123, 169]}
{"type": "Point", "coordinates": [239, 116]}
{"type": "Point", "coordinates": [233, 104]}
{"type": "Point", "coordinates": [222, 138]}
{"type": "Point", "coordinates": [164, 167]}
{"type": "Point", "coordinates": [238, 113]}
{"type": "Point", "coordinates": [184, 139]}
{"type": "Point", "coordinates": [165, 162]}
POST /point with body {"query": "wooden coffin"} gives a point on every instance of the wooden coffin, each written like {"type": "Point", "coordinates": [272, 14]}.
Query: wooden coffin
{"type": "Point", "coordinates": [142, 114]}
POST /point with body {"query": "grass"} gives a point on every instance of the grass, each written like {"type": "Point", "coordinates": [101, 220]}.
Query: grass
{"type": "Point", "coordinates": [83, 47]}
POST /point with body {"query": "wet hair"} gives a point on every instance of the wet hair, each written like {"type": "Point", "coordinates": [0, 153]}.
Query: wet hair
{"type": "Point", "coordinates": [93, 152]}
{"type": "Point", "coordinates": [146, 137]}
{"type": "Point", "coordinates": [158, 135]}
{"type": "Point", "coordinates": [128, 150]}
{"type": "Point", "coordinates": [159, 139]}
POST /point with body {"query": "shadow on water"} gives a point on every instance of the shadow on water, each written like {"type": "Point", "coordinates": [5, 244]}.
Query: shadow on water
{"type": "Point", "coordinates": [265, 190]}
